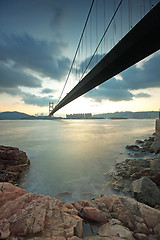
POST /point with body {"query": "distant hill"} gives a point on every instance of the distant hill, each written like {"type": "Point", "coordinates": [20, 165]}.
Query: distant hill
{"type": "Point", "coordinates": [13, 115]}
{"type": "Point", "coordinates": [131, 115]}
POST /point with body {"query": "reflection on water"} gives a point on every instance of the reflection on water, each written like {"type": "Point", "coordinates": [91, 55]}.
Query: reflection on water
{"type": "Point", "coordinates": [71, 156]}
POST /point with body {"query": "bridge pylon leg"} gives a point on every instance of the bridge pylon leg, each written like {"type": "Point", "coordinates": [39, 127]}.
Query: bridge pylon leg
{"type": "Point", "coordinates": [51, 106]}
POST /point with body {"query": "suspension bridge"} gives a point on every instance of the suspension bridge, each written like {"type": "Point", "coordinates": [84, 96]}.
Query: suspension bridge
{"type": "Point", "coordinates": [127, 48]}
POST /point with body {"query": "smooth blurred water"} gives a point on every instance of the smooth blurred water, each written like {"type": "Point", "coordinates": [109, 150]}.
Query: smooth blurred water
{"type": "Point", "coordinates": [72, 155]}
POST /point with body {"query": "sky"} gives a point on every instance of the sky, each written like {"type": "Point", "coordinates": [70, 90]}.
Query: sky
{"type": "Point", "coordinates": [38, 40]}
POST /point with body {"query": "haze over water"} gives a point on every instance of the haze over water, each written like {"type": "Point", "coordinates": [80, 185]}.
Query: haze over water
{"type": "Point", "coordinates": [72, 155]}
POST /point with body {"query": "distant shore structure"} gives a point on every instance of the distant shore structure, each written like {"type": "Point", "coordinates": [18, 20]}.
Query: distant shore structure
{"type": "Point", "coordinates": [79, 116]}
{"type": "Point", "coordinates": [118, 118]}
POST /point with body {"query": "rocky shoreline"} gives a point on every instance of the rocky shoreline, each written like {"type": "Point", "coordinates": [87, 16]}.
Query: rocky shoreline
{"type": "Point", "coordinates": [139, 177]}
{"type": "Point", "coordinates": [31, 216]}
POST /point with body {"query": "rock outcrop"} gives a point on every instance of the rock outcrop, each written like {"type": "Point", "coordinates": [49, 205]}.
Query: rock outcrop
{"type": "Point", "coordinates": [25, 215]}
{"type": "Point", "coordinates": [144, 147]}
{"type": "Point", "coordinates": [139, 177]}
{"type": "Point", "coordinates": [13, 162]}
{"type": "Point", "coordinates": [36, 217]}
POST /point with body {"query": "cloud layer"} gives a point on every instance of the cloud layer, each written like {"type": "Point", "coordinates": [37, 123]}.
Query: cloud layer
{"type": "Point", "coordinates": [36, 100]}
{"type": "Point", "coordinates": [38, 55]}
{"type": "Point", "coordinates": [31, 48]}
{"type": "Point", "coordinates": [19, 55]}
{"type": "Point", "coordinates": [132, 79]}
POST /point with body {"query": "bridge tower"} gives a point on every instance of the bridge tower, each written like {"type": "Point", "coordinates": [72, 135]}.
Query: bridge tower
{"type": "Point", "coordinates": [51, 106]}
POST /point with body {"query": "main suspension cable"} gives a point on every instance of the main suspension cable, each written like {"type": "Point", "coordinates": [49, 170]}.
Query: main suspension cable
{"type": "Point", "coordinates": [85, 25]}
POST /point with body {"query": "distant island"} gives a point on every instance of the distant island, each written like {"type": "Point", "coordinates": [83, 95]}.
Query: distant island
{"type": "Point", "coordinates": [13, 115]}
{"type": "Point", "coordinates": [22, 116]}
{"type": "Point", "coordinates": [129, 115]}
{"type": "Point", "coordinates": [116, 115]}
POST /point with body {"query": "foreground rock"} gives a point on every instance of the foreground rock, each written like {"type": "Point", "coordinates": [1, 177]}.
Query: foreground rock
{"type": "Point", "coordinates": [13, 162]}
{"type": "Point", "coordinates": [36, 217]}
{"type": "Point", "coordinates": [146, 191]}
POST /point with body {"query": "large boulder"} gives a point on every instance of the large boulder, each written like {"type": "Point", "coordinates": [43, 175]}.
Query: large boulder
{"type": "Point", "coordinates": [13, 162]}
{"type": "Point", "coordinates": [146, 191]}
{"type": "Point", "coordinates": [155, 163]}
{"type": "Point", "coordinates": [155, 147]}
{"type": "Point", "coordinates": [154, 175]}
{"type": "Point", "coordinates": [115, 231]}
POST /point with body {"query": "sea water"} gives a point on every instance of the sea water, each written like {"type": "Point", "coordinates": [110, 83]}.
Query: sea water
{"type": "Point", "coordinates": [69, 158]}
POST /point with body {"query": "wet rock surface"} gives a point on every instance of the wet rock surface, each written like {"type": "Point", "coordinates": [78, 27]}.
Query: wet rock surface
{"type": "Point", "coordinates": [139, 177]}
{"type": "Point", "coordinates": [32, 216]}
{"type": "Point", "coordinates": [13, 162]}
{"type": "Point", "coordinates": [141, 148]}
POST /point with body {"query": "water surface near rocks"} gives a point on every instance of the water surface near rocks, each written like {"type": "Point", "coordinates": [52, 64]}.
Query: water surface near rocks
{"type": "Point", "coordinates": [71, 156]}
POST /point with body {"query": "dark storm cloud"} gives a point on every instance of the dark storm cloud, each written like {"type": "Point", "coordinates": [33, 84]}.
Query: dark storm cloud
{"type": "Point", "coordinates": [104, 93]}
{"type": "Point", "coordinates": [148, 77]}
{"type": "Point", "coordinates": [133, 79]}
{"type": "Point", "coordinates": [12, 78]}
{"type": "Point", "coordinates": [37, 17]}
{"type": "Point", "coordinates": [11, 91]}
{"type": "Point", "coordinates": [47, 90]}
{"type": "Point", "coordinates": [18, 54]}
{"type": "Point", "coordinates": [30, 43]}
{"type": "Point", "coordinates": [36, 100]}
{"type": "Point", "coordinates": [38, 55]}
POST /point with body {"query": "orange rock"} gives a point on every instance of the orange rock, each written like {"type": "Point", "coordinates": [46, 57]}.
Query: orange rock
{"type": "Point", "coordinates": [94, 214]}
{"type": "Point", "coordinates": [113, 231]}
{"type": "Point", "coordinates": [4, 229]}
{"type": "Point", "coordinates": [150, 215]}
{"type": "Point", "coordinates": [9, 192]}
{"type": "Point", "coordinates": [32, 216]}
